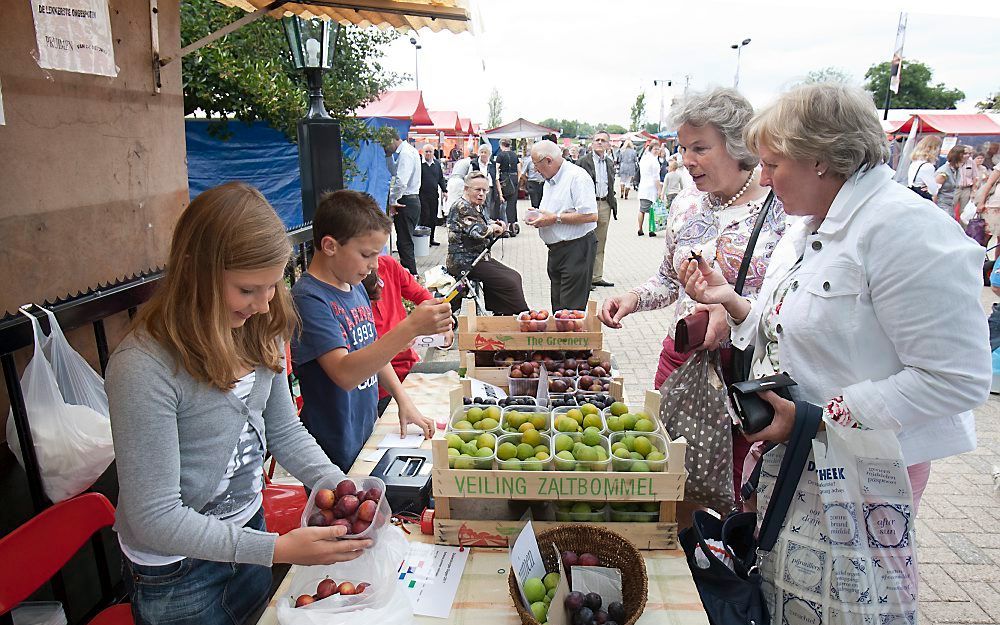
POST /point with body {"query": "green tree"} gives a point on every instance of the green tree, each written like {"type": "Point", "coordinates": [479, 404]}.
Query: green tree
{"type": "Point", "coordinates": [651, 127]}
{"type": "Point", "coordinates": [615, 129]}
{"type": "Point", "coordinates": [496, 109]}
{"type": "Point", "coordinates": [637, 114]}
{"type": "Point", "coordinates": [915, 88]}
{"type": "Point", "coordinates": [828, 74]}
{"type": "Point", "coordinates": [991, 103]}
{"type": "Point", "coordinates": [248, 75]}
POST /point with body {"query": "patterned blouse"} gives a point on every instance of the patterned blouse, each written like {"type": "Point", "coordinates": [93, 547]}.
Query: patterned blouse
{"type": "Point", "coordinates": [468, 229]}
{"type": "Point", "coordinates": [698, 222]}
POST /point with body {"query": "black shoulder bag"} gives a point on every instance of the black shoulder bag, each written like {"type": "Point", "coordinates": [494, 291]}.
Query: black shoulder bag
{"type": "Point", "coordinates": [734, 596]}
{"type": "Point", "coordinates": [920, 189]}
{"type": "Point", "coordinates": [743, 359]}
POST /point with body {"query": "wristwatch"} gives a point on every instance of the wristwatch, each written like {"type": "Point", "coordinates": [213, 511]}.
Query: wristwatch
{"type": "Point", "coordinates": [558, 218]}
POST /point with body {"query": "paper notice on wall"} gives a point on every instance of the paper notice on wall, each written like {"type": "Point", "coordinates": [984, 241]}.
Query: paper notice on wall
{"type": "Point", "coordinates": [74, 36]}
{"type": "Point", "coordinates": [2, 121]}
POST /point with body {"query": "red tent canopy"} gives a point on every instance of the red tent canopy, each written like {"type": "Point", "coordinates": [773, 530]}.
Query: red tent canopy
{"type": "Point", "coordinates": [465, 125]}
{"type": "Point", "coordinates": [443, 121]}
{"type": "Point", "coordinates": [399, 105]}
{"type": "Point", "coordinates": [966, 124]}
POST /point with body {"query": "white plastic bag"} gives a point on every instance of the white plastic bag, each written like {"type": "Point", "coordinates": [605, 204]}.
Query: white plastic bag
{"type": "Point", "coordinates": [846, 551]}
{"type": "Point", "coordinates": [968, 212]}
{"type": "Point", "coordinates": [68, 413]}
{"type": "Point", "coordinates": [383, 603]}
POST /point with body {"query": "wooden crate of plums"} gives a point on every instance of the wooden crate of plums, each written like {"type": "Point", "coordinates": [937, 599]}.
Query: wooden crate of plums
{"type": "Point", "coordinates": [538, 329]}
{"type": "Point", "coordinates": [568, 372]}
{"type": "Point", "coordinates": [601, 462]}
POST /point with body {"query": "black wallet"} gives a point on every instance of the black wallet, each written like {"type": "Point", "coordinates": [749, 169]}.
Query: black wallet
{"type": "Point", "coordinates": [754, 413]}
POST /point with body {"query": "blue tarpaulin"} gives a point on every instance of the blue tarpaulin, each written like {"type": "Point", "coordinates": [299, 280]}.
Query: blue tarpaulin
{"type": "Point", "coordinates": [264, 157]}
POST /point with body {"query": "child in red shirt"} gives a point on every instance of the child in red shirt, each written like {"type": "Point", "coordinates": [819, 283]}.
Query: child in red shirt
{"type": "Point", "coordinates": [387, 290]}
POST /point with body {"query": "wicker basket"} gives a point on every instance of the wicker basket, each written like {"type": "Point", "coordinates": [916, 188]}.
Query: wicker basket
{"type": "Point", "coordinates": [612, 549]}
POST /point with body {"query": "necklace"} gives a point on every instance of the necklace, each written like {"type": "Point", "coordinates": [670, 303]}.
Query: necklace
{"type": "Point", "coordinates": [746, 185]}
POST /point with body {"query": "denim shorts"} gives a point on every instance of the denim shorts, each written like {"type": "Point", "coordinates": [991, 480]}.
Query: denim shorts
{"type": "Point", "coordinates": [198, 592]}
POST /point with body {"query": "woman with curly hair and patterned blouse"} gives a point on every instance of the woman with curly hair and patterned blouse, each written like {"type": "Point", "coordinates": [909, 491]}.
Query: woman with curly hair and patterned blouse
{"type": "Point", "coordinates": [714, 218]}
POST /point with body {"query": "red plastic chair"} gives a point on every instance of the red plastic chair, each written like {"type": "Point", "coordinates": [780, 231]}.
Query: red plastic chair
{"type": "Point", "coordinates": [35, 551]}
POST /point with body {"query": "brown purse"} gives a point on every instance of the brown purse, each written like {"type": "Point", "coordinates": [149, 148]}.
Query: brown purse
{"type": "Point", "coordinates": [690, 331]}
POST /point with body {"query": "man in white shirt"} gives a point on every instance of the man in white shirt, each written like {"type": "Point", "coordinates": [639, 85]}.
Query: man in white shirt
{"type": "Point", "coordinates": [566, 223]}
{"type": "Point", "coordinates": [404, 196]}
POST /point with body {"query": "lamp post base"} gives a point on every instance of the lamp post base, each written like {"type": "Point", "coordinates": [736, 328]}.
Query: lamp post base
{"type": "Point", "coordinates": [320, 161]}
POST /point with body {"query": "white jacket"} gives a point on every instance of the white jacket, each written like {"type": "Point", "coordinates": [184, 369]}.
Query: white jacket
{"type": "Point", "coordinates": [885, 311]}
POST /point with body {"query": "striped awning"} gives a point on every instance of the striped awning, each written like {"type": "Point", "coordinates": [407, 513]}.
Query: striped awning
{"type": "Point", "coordinates": [437, 15]}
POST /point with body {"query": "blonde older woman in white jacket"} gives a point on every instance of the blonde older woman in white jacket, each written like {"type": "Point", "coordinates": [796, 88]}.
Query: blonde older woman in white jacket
{"type": "Point", "coordinates": [871, 300]}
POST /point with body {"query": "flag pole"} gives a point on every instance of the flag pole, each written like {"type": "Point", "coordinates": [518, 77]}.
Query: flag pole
{"type": "Point", "coordinates": [895, 66]}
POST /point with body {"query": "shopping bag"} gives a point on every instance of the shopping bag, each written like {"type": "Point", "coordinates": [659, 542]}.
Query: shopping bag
{"type": "Point", "coordinates": [651, 218]}
{"type": "Point", "coordinates": [659, 212]}
{"type": "Point", "coordinates": [383, 603]}
{"type": "Point", "coordinates": [722, 553]}
{"type": "Point", "coordinates": [968, 213]}
{"type": "Point", "coordinates": [976, 229]}
{"type": "Point", "coordinates": [68, 415]}
{"type": "Point", "coordinates": [693, 404]}
{"type": "Point", "coordinates": [846, 552]}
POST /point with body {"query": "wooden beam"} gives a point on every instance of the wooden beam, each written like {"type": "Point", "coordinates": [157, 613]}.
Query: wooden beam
{"type": "Point", "coordinates": [415, 9]}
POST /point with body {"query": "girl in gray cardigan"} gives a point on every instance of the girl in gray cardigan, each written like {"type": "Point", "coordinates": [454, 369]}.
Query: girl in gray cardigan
{"type": "Point", "coordinates": [197, 394]}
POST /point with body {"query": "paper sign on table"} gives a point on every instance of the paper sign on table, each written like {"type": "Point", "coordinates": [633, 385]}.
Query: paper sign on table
{"type": "Point", "coordinates": [483, 389]}
{"type": "Point", "coordinates": [605, 581]}
{"type": "Point", "coordinates": [414, 438]}
{"type": "Point", "coordinates": [374, 456]}
{"type": "Point", "coordinates": [526, 560]}
{"type": "Point", "coordinates": [429, 575]}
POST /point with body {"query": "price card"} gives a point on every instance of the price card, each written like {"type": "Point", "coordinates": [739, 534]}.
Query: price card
{"type": "Point", "coordinates": [526, 559]}
{"type": "Point", "coordinates": [482, 389]}
{"type": "Point", "coordinates": [430, 340]}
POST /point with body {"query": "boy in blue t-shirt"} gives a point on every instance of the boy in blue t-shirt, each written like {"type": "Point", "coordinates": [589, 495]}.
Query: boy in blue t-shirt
{"type": "Point", "coordinates": [337, 358]}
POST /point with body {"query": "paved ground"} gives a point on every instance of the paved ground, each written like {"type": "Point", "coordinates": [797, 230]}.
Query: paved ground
{"type": "Point", "coordinates": [958, 529]}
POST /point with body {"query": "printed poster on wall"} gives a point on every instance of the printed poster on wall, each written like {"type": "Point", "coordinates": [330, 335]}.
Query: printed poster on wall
{"type": "Point", "coordinates": [2, 120]}
{"type": "Point", "coordinates": [74, 36]}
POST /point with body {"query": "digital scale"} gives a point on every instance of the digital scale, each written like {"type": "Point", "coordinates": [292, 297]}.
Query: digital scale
{"type": "Point", "coordinates": [407, 477]}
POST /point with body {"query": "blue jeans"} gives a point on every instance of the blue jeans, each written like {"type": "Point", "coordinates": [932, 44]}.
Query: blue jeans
{"type": "Point", "coordinates": [198, 592]}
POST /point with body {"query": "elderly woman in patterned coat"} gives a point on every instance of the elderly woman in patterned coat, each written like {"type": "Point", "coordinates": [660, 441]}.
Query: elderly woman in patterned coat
{"type": "Point", "coordinates": [469, 232]}
{"type": "Point", "coordinates": [714, 218]}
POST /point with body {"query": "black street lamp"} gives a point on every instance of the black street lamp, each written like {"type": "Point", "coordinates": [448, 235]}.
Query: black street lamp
{"type": "Point", "coordinates": [416, 61]}
{"type": "Point", "coordinates": [739, 48]}
{"type": "Point", "coordinates": [313, 44]}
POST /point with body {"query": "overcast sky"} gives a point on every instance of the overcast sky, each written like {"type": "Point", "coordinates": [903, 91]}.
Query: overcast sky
{"type": "Point", "coordinates": [588, 59]}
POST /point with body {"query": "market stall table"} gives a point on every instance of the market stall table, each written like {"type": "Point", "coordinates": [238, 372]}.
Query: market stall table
{"type": "Point", "coordinates": [483, 596]}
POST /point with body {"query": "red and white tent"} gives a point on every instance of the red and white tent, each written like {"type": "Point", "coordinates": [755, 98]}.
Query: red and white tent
{"type": "Point", "coordinates": [399, 105]}
{"type": "Point", "coordinates": [947, 123]}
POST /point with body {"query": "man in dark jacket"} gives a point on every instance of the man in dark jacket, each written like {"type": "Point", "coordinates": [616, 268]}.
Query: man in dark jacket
{"type": "Point", "coordinates": [601, 167]}
{"type": "Point", "coordinates": [507, 169]}
{"type": "Point", "coordinates": [431, 179]}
